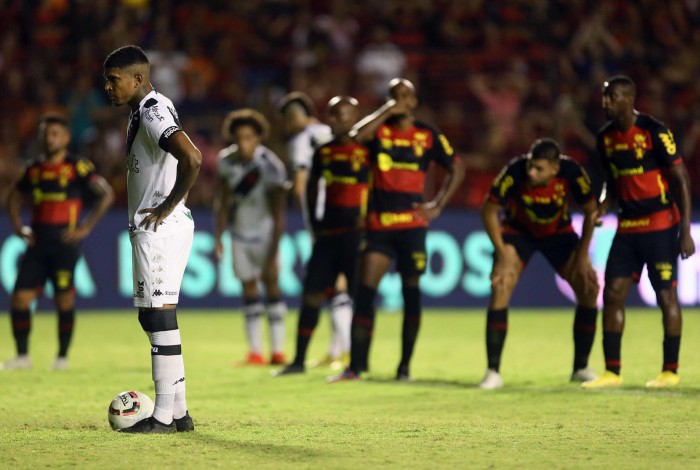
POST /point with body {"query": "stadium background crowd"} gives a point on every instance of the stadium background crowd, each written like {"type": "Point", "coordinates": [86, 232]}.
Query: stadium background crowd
{"type": "Point", "coordinates": [493, 75]}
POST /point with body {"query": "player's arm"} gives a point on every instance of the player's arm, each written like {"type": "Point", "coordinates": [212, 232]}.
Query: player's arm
{"type": "Point", "coordinates": [455, 174]}
{"type": "Point", "coordinates": [492, 225]}
{"type": "Point", "coordinates": [301, 176]}
{"type": "Point", "coordinates": [105, 198]}
{"type": "Point", "coordinates": [367, 127]}
{"type": "Point", "coordinates": [14, 211]}
{"type": "Point", "coordinates": [277, 199]}
{"type": "Point", "coordinates": [505, 255]}
{"type": "Point", "coordinates": [221, 209]}
{"type": "Point", "coordinates": [189, 161]}
{"type": "Point", "coordinates": [311, 196]}
{"type": "Point", "coordinates": [582, 265]}
{"type": "Point", "coordinates": [681, 182]}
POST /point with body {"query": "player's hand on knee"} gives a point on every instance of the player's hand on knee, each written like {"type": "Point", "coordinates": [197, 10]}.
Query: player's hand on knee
{"type": "Point", "coordinates": [26, 234]}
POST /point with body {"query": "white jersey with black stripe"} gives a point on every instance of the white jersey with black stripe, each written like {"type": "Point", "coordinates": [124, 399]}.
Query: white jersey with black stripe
{"type": "Point", "coordinates": [249, 184]}
{"type": "Point", "coordinates": [303, 144]}
{"type": "Point", "coordinates": [151, 170]}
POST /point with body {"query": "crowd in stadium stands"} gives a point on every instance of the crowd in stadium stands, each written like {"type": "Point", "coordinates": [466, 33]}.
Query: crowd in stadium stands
{"type": "Point", "coordinates": [493, 75]}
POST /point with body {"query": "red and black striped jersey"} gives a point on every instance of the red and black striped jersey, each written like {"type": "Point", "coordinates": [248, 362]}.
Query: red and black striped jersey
{"type": "Point", "coordinates": [638, 160]}
{"type": "Point", "coordinates": [57, 190]}
{"type": "Point", "coordinates": [539, 211]}
{"type": "Point", "coordinates": [399, 162]}
{"type": "Point", "coordinates": [337, 190]}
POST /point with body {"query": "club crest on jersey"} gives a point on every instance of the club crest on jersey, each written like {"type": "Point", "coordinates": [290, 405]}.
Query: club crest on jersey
{"type": "Point", "coordinates": [152, 112]}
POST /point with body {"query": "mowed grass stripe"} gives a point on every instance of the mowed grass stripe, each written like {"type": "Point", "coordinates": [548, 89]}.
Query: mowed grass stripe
{"type": "Point", "coordinates": [245, 418]}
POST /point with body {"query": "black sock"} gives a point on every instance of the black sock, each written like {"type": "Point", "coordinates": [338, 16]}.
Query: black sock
{"type": "Point", "coordinates": [584, 333]}
{"type": "Point", "coordinates": [21, 325]}
{"type": "Point", "coordinates": [308, 319]}
{"type": "Point", "coordinates": [66, 319]}
{"type": "Point", "coordinates": [411, 324]}
{"type": "Point", "coordinates": [361, 330]}
{"type": "Point", "coordinates": [612, 344]}
{"type": "Point", "coordinates": [496, 331]}
{"type": "Point", "coordinates": [672, 347]}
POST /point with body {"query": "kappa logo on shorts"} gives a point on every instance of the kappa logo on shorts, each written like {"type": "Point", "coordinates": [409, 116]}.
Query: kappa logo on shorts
{"type": "Point", "coordinates": [139, 292]}
{"type": "Point", "coordinates": [172, 292]}
{"type": "Point", "coordinates": [157, 293]}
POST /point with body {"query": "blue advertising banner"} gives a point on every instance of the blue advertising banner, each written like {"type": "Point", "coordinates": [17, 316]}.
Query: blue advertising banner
{"type": "Point", "coordinates": [460, 260]}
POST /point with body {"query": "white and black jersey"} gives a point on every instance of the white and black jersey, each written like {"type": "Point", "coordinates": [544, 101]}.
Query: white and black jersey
{"type": "Point", "coordinates": [248, 184]}
{"type": "Point", "coordinates": [303, 145]}
{"type": "Point", "coordinates": [151, 170]}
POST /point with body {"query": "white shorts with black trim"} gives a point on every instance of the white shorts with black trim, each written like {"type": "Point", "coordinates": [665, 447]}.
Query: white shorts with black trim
{"type": "Point", "coordinates": [158, 267]}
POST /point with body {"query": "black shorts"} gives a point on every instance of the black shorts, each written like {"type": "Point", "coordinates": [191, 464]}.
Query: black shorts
{"type": "Point", "coordinates": [48, 259]}
{"type": "Point", "coordinates": [332, 255]}
{"type": "Point", "coordinates": [557, 249]}
{"type": "Point", "coordinates": [658, 250]}
{"type": "Point", "coordinates": [407, 246]}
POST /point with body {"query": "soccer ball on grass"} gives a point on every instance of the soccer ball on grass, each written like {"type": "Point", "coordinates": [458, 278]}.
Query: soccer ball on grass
{"type": "Point", "coordinates": [128, 408]}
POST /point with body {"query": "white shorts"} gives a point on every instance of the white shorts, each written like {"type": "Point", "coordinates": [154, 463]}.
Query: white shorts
{"type": "Point", "coordinates": [249, 257]}
{"type": "Point", "coordinates": [158, 266]}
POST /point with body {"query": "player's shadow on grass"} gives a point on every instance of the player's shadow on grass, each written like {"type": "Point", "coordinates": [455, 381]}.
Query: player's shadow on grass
{"type": "Point", "coordinates": [565, 387]}
{"type": "Point", "coordinates": [423, 382]}
{"type": "Point", "coordinates": [212, 438]}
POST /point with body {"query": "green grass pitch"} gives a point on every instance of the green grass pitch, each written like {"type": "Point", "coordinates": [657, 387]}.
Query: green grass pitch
{"type": "Point", "coordinates": [246, 419]}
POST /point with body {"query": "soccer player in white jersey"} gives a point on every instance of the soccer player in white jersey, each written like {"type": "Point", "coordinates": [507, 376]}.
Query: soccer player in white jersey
{"type": "Point", "coordinates": [307, 134]}
{"type": "Point", "coordinates": [162, 164]}
{"type": "Point", "coordinates": [251, 202]}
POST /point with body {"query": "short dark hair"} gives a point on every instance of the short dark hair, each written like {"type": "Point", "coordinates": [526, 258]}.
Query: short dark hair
{"type": "Point", "coordinates": [59, 119]}
{"type": "Point", "coordinates": [126, 56]}
{"type": "Point", "coordinates": [245, 117]}
{"type": "Point", "coordinates": [300, 98]}
{"type": "Point", "coordinates": [339, 100]}
{"type": "Point", "coordinates": [545, 149]}
{"type": "Point", "coordinates": [623, 80]}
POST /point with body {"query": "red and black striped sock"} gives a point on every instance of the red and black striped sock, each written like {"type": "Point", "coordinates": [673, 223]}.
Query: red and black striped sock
{"type": "Point", "coordinates": [21, 326]}
{"type": "Point", "coordinates": [612, 345]}
{"type": "Point", "coordinates": [584, 334]}
{"type": "Point", "coordinates": [308, 319]}
{"type": "Point", "coordinates": [672, 347]}
{"type": "Point", "coordinates": [66, 320]}
{"type": "Point", "coordinates": [496, 331]}
{"type": "Point", "coordinates": [411, 325]}
{"type": "Point", "coordinates": [361, 330]}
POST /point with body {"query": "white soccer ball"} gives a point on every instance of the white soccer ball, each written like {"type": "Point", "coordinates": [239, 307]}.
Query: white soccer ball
{"type": "Point", "coordinates": [128, 408]}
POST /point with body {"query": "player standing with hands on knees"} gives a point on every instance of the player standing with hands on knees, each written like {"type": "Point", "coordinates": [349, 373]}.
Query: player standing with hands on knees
{"type": "Point", "coordinates": [533, 192]}
{"type": "Point", "coordinates": [401, 150]}
{"type": "Point", "coordinates": [162, 165]}
{"type": "Point", "coordinates": [652, 187]}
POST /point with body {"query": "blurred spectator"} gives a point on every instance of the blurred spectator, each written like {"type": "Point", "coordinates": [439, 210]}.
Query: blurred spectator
{"type": "Point", "coordinates": [494, 75]}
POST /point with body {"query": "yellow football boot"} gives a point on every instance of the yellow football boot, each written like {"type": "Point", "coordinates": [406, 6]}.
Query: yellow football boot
{"type": "Point", "coordinates": [607, 380]}
{"type": "Point", "coordinates": [665, 379]}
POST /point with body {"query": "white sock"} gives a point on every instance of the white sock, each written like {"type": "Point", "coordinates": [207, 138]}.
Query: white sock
{"type": "Point", "coordinates": [253, 325]}
{"type": "Point", "coordinates": [341, 319]}
{"type": "Point", "coordinates": [168, 371]}
{"type": "Point", "coordinates": [275, 315]}
{"type": "Point", "coordinates": [180, 404]}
